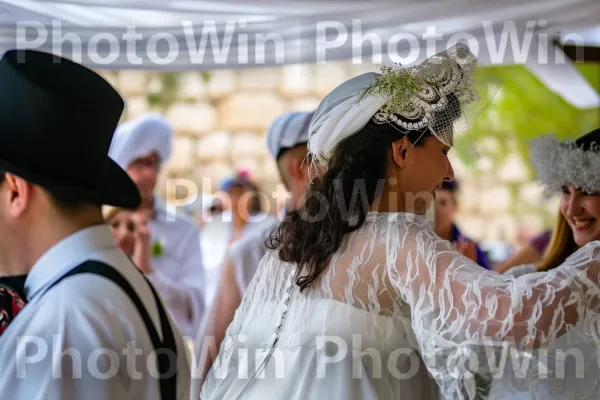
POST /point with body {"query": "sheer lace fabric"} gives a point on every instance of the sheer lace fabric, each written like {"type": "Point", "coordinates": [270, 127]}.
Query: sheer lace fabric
{"type": "Point", "coordinates": [396, 289]}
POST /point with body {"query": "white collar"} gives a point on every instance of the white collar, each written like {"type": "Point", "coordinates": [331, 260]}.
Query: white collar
{"type": "Point", "coordinates": [67, 254]}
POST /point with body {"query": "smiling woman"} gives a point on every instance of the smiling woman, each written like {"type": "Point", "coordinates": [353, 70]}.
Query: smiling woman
{"type": "Point", "coordinates": [571, 167]}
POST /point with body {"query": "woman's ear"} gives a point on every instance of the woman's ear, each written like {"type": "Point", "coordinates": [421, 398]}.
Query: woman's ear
{"type": "Point", "coordinates": [400, 150]}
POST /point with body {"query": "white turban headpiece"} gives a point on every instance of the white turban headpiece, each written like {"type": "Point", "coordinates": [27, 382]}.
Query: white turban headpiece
{"type": "Point", "coordinates": [141, 137]}
{"type": "Point", "coordinates": [414, 98]}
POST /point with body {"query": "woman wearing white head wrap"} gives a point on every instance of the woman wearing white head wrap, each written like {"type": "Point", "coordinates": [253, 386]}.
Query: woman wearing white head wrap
{"type": "Point", "coordinates": [358, 298]}
{"type": "Point", "coordinates": [140, 137]}
{"type": "Point", "coordinates": [141, 146]}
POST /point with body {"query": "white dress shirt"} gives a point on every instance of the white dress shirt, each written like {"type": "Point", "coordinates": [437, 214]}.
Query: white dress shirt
{"type": "Point", "coordinates": [178, 273]}
{"type": "Point", "coordinates": [84, 338]}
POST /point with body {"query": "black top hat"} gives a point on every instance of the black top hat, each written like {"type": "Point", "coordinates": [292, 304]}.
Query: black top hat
{"type": "Point", "coordinates": [589, 141]}
{"type": "Point", "coordinates": [57, 120]}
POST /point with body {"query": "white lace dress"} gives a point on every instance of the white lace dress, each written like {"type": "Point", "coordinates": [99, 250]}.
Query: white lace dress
{"type": "Point", "coordinates": [395, 306]}
{"type": "Point", "coordinates": [572, 358]}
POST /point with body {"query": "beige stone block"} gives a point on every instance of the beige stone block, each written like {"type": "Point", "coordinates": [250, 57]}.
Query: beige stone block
{"type": "Point", "coordinates": [216, 146]}
{"type": "Point", "coordinates": [306, 104]}
{"type": "Point", "coordinates": [191, 85]}
{"type": "Point", "coordinates": [192, 118]}
{"type": "Point", "coordinates": [297, 80]}
{"type": "Point", "coordinates": [513, 169]}
{"type": "Point", "coordinates": [485, 164]}
{"type": "Point", "coordinates": [182, 156]}
{"type": "Point", "coordinates": [221, 83]}
{"type": "Point", "coordinates": [363, 68]}
{"type": "Point", "coordinates": [532, 193]}
{"type": "Point", "coordinates": [469, 197]}
{"type": "Point", "coordinates": [259, 78]}
{"type": "Point", "coordinates": [209, 175]}
{"type": "Point", "coordinates": [249, 163]}
{"type": "Point", "coordinates": [495, 199]}
{"type": "Point", "coordinates": [136, 106]}
{"type": "Point", "coordinates": [250, 111]}
{"type": "Point", "coordinates": [133, 82]}
{"type": "Point", "coordinates": [458, 165]}
{"type": "Point", "coordinates": [154, 84]}
{"type": "Point", "coordinates": [247, 144]}
{"type": "Point", "coordinates": [110, 76]}
{"type": "Point", "coordinates": [328, 77]}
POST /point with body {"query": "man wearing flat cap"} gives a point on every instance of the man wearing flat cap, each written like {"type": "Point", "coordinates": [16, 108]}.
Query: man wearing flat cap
{"type": "Point", "coordinates": [287, 139]}
{"type": "Point", "coordinates": [141, 147]}
{"type": "Point", "coordinates": [94, 327]}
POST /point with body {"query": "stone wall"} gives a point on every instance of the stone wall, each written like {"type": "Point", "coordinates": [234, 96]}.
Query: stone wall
{"type": "Point", "coordinates": [220, 118]}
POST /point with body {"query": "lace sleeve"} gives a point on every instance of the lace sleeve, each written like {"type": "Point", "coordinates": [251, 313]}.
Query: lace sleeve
{"type": "Point", "coordinates": [520, 270]}
{"type": "Point", "coordinates": [457, 306]}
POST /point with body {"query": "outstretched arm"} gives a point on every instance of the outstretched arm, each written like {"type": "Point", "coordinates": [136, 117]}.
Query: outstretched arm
{"type": "Point", "coordinates": [456, 306]}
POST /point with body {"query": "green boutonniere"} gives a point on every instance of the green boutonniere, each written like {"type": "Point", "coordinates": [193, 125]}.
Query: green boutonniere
{"type": "Point", "coordinates": [158, 248]}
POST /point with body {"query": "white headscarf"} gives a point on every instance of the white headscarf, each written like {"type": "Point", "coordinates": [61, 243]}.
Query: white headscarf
{"type": "Point", "coordinates": [141, 137]}
{"type": "Point", "coordinates": [442, 94]}
{"type": "Point", "coordinates": [341, 114]}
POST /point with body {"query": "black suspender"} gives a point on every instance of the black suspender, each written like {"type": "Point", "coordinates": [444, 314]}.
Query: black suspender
{"type": "Point", "coordinates": [166, 350]}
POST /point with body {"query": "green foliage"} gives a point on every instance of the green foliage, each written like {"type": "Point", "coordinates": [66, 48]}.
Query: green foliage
{"type": "Point", "coordinates": [206, 76]}
{"type": "Point", "coordinates": [525, 108]}
{"type": "Point", "coordinates": [167, 96]}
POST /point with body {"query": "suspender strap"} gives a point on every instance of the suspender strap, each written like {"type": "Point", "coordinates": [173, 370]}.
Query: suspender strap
{"type": "Point", "coordinates": [166, 350]}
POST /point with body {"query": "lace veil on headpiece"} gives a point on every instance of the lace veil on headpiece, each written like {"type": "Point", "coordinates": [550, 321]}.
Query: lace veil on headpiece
{"type": "Point", "coordinates": [568, 162]}
{"type": "Point", "coordinates": [441, 94]}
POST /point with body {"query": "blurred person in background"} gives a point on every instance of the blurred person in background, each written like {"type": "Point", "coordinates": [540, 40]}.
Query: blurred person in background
{"type": "Point", "coordinates": [237, 213]}
{"type": "Point", "coordinates": [446, 205]}
{"type": "Point", "coordinates": [245, 209]}
{"type": "Point", "coordinates": [130, 229]}
{"type": "Point", "coordinates": [142, 146]}
{"type": "Point", "coordinates": [531, 253]}
{"type": "Point", "coordinates": [287, 143]}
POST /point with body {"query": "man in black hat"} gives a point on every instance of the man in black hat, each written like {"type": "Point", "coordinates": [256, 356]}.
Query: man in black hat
{"type": "Point", "coordinates": [93, 327]}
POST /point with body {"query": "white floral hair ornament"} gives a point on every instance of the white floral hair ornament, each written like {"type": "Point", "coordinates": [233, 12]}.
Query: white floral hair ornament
{"type": "Point", "coordinates": [568, 162]}
{"type": "Point", "coordinates": [441, 94]}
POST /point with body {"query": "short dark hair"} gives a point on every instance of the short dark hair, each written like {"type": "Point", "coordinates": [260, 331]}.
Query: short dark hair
{"type": "Point", "coordinates": [451, 186]}
{"type": "Point", "coordinates": [67, 202]}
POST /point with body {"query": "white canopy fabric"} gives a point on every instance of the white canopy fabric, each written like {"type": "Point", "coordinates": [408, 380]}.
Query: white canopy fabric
{"type": "Point", "coordinates": [205, 35]}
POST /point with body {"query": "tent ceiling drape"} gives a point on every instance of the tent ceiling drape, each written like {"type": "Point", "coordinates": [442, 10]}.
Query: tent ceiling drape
{"type": "Point", "coordinates": [185, 34]}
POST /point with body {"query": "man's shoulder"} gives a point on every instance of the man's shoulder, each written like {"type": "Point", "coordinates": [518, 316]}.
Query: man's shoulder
{"type": "Point", "coordinates": [255, 238]}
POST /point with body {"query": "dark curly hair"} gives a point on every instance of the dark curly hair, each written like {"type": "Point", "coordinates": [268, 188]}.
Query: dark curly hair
{"type": "Point", "coordinates": [338, 202]}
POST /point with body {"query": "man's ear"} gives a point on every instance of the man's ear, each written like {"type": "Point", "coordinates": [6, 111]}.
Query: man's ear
{"type": "Point", "coordinates": [400, 150]}
{"type": "Point", "coordinates": [294, 169]}
{"type": "Point", "coordinates": [16, 193]}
